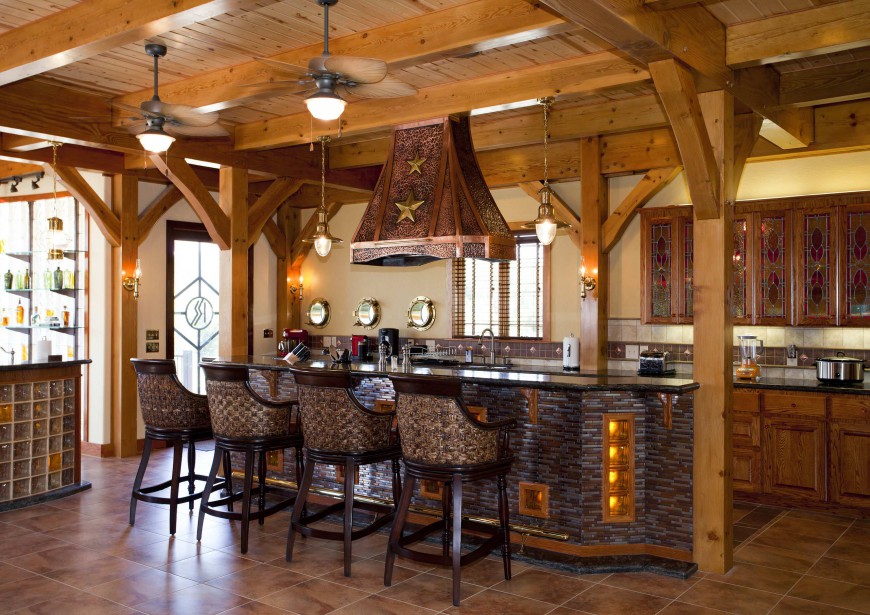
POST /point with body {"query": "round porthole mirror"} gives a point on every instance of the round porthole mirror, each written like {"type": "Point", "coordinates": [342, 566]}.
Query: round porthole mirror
{"type": "Point", "coordinates": [318, 313]}
{"type": "Point", "coordinates": [421, 313]}
{"type": "Point", "coordinates": [367, 313]}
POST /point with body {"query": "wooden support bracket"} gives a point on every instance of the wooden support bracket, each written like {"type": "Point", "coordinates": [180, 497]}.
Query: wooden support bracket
{"type": "Point", "coordinates": [107, 220]}
{"type": "Point", "coordinates": [260, 212]}
{"type": "Point", "coordinates": [162, 203]}
{"type": "Point", "coordinates": [667, 400]}
{"type": "Point", "coordinates": [531, 396]}
{"type": "Point", "coordinates": [649, 186]}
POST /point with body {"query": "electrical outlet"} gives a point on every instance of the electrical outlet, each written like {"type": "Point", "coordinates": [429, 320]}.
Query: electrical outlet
{"type": "Point", "coordinates": [152, 346]}
{"type": "Point", "coordinates": [791, 351]}
{"type": "Point", "coordinates": [152, 334]}
{"type": "Point", "coordinates": [267, 333]}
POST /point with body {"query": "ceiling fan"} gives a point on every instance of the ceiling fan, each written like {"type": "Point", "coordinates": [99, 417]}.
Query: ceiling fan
{"type": "Point", "coordinates": [159, 122]}
{"type": "Point", "coordinates": [334, 79]}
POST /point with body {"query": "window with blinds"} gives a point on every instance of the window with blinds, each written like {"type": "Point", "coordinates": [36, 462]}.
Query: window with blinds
{"type": "Point", "coordinates": [506, 297]}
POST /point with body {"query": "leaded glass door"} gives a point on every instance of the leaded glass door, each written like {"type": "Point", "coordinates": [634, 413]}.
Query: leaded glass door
{"type": "Point", "coordinates": [193, 274]}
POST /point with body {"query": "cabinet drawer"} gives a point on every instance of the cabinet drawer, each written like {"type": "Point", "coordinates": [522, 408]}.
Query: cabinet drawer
{"type": "Point", "coordinates": [798, 405]}
{"type": "Point", "coordinates": [849, 408]}
{"type": "Point", "coordinates": [745, 401]}
{"type": "Point", "coordinates": [746, 429]}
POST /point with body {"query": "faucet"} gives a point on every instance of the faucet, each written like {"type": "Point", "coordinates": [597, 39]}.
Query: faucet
{"type": "Point", "coordinates": [491, 344]}
{"type": "Point", "coordinates": [9, 352]}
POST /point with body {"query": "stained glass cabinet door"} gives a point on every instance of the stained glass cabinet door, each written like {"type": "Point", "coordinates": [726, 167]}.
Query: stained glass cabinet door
{"type": "Point", "coordinates": [772, 267]}
{"type": "Point", "coordinates": [667, 265]}
{"type": "Point", "coordinates": [855, 266]}
{"type": "Point", "coordinates": [815, 266]}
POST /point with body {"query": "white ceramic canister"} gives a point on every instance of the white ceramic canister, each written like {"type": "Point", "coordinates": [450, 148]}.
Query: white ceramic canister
{"type": "Point", "coordinates": [570, 353]}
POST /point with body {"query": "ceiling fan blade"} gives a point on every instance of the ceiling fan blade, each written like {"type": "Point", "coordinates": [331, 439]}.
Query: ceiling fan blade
{"type": "Point", "coordinates": [359, 70]}
{"type": "Point", "coordinates": [389, 87]}
{"type": "Point", "coordinates": [213, 130]}
{"type": "Point", "coordinates": [285, 67]}
{"type": "Point", "coordinates": [189, 116]}
{"type": "Point", "coordinates": [137, 128]}
{"type": "Point", "coordinates": [131, 109]}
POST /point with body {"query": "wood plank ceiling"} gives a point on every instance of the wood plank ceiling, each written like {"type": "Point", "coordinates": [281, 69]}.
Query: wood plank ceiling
{"type": "Point", "coordinates": [461, 55]}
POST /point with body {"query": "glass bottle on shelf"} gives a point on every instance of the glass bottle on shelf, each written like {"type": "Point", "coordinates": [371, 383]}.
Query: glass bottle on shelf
{"type": "Point", "coordinates": [34, 317]}
{"type": "Point", "coordinates": [4, 317]}
{"type": "Point", "coordinates": [27, 280]}
{"type": "Point", "coordinates": [46, 279]}
{"type": "Point", "coordinates": [58, 279]}
{"type": "Point", "coordinates": [7, 279]}
{"type": "Point", "coordinates": [65, 315]}
{"type": "Point", "coordinates": [19, 313]}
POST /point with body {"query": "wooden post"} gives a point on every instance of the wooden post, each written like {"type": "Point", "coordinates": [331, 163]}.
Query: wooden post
{"type": "Point", "coordinates": [233, 340]}
{"type": "Point", "coordinates": [125, 204]}
{"type": "Point", "coordinates": [593, 213]}
{"type": "Point", "coordinates": [713, 240]}
{"type": "Point", "coordinates": [289, 306]}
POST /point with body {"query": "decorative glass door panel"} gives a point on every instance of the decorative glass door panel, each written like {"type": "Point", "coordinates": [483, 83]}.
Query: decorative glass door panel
{"type": "Point", "coordinates": [773, 273]}
{"type": "Point", "coordinates": [816, 264]}
{"type": "Point", "coordinates": [740, 269]}
{"type": "Point", "coordinates": [194, 306]}
{"type": "Point", "coordinates": [660, 270]}
{"type": "Point", "coordinates": [688, 271]}
{"type": "Point", "coordinates": [856, 265]}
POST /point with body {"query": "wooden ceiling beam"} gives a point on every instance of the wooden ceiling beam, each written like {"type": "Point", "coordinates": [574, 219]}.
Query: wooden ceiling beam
{"type": "Point", "coordinates": [216, 221]}
{"type": "Point", "coordinates": [107, 221]}
{"type": "Point", "coordinates": [690, 34]}
{"type": "Point", "coordinates": [265, 207]}
{"type": "Point", "coordinates": [162, 203]}
{"type": "Point", "coordinates": [276, 238]}
{"type": "Point", "coordinates": [473, 26]}
{"type": "Point", "coordinates": [825, 84]}
{"type": "Point", "coordinates": [93, 27]}
{"type": "Point", "coordinates": [649, 185]}
{"type": "Point", "coordinates": [587, 73]}
{"type": "Point", "coordinates": [12, 167]}
{"type": "Point", "coordinates": [17, 143]}
{"type": "Point", "coordinates": [674, 4]}
{"type": "Point", "coordinates": [799, 34]}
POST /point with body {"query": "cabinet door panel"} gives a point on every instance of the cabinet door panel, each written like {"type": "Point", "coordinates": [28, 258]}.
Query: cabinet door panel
{"type": "Point", "coordinates": [855, 266]}
{"type": "Point", "coordinates": [850, 463]}
{"type": "Point", "coordinates": [741, 285]}
{"type": "Point", "coordinates": [773, 270]}
{"type": "Point", "coordinates": [747, 470]}
{"type": "Point", "coordinates": [815, 267]}
{"type": "Point", "coordinates": [746, 430]}
{"type": "Point", "coordinates": [794, 458]}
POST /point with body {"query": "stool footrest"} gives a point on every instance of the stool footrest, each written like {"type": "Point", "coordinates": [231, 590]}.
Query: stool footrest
{"type": "Point", "coordinates": [371, 528]}
{"type": "Point", "coordinates": [494, 541]}
{"type": "Point", "coordinates": [142, 494]}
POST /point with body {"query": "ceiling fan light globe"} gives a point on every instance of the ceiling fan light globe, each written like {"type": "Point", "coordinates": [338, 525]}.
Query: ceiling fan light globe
{"type": "Point", "coordinates": [322, 245]}
{"type": "Point", "coordinates": [155, 140]}
{"type": "Point", "coordinates": [325, 106]}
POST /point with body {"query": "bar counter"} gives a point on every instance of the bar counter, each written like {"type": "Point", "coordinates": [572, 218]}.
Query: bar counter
{"type": "Point", "coordinates": [40, 418]}
{"type": "Point", "coordinates": [602, 479]}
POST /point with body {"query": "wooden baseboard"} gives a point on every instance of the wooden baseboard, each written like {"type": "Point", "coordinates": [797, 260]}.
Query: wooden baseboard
{"type": "Point", "coordinates": [92, 449]}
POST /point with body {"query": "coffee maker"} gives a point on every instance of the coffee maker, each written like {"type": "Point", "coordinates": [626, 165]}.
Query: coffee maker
{"type": "Point", "coordinates": [390, 336]}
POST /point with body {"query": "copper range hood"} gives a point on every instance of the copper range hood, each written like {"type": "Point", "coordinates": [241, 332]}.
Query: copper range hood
{"type": "Point", "coordinates": [431, 201]}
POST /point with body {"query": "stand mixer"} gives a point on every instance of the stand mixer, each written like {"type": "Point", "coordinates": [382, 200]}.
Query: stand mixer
{"type": "Point", "coordinates": [750, 348]}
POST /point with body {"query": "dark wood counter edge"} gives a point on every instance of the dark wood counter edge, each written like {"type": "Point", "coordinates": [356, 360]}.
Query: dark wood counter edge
{"type": "Point", "coordinates": [808, 386]}
{"type": "Point", "coordinates": [48, 365]}
{"type": "Point", "coordinates": [625, 381]}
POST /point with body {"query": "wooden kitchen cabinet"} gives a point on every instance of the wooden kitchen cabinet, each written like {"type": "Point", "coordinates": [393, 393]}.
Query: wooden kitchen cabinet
{"type": "Point", "coordinates": [854, 277]}
{"type": "Point", "coordinates": [667, 265]}
{"type": "Point", "coordinates": [816, 266]}
{"type": "Point", "coordinates": [747, 471]}
{"type": "Point", "coordinates": [794, 457]}
{"type": "Point", "coordinates": [850, 463]}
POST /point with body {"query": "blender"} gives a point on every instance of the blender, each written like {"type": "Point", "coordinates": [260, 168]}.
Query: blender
{"type": "Point", "coordinates": [750, 348]}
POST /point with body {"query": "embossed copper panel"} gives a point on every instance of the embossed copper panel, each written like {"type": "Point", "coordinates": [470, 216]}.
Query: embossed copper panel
{"type": "Point", "coordinates": [431, 201]}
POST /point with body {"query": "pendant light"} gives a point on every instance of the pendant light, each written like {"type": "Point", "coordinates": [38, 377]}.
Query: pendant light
{"type": "Point", "coordinates": [546, 224]}
{"type": "Point", "coordinates": [55, 236]}
{"type": "Point", "coordinates": [322, 238]}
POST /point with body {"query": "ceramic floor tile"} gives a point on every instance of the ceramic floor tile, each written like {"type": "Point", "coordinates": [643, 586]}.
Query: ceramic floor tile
{"type": "Point", "coordinates": [834, 593]}
{"type": "Point", "coordinates": [314, 597]}
{"type": "Point", "coordinates": [787, 539]}
{"type": "Point", "coordinates": [492, 602]}
{"type": "Point", "coordinates": [48, 521]}
{"type": "Point", "coordinates": [812, 515]}
{"type": "Point", "coordinates": [841, 570]}
{"type": "Point", "coordinates": [857, 534]}
{"type": "Point", "coordinates": [774, 557]}
{"type": "Point", "coordinates": [606, 600]}
{"type": "Point", "coordinates": [796, 606]}
{"type": "Point", "coordinates": [258, 581]}
{"type": "Point", "coordinates": [195, 600]}
{"type": "Point", "coordinates": [647, 583]}
{"type": "Point", "coordinates": [683, 608]}
{"type": "Point", "coordinates": [730, 598]}
{"type": "Point", "coordinates": [380, 605]}
{"type": "Point", "coordinates": [97, 534]}
{"type": "Point", "coordinates": [24, 592]}
{"type": "Point", "coordinates": [544, 586]}
{"type": "Point", "coordinates": [79, 604]}
{"type": "Point", "coordinates": [843, 549]}
{"type": "Point", "coordinates": [261, 547]}
{"type": "Point", "coordinates": [813, 526]}
{"type": "Point", "coordinates": [313, 561]}
{"type": "Point", "coordinates": [429, 591]}
{"type": "Point", "coordinates": [757, 577]}
{"type": "Point", "coordinates": [368, 575]}
{"type": "Point", "coordinates": [10, 573]}
{"type": "Point", "coordinates": [255, 608]}
{"type": "Point", "coordinates": [29, 542]}
{"type": "Point", "coordinates": [208, 566]}
{"type": "Point", "coordinates": [485, 572]}
{"type": "Point", "coordinates": [78, 567]}
{"type": "Point", "coordinates": [158, 554]}
{"type": "Point", "coordinates": [140, 587]}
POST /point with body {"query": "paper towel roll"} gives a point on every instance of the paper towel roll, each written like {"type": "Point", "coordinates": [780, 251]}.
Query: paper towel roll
{"type": "Point", "coordinates": [41, 350]}
{"type": "Point", "coordinates": [570, 352]}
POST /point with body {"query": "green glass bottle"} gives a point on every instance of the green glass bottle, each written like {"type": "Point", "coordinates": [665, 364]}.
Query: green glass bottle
{"type": "Point", "coordinates": [7, 280]}
{"type": "Point", "coordinates": [58, 279]}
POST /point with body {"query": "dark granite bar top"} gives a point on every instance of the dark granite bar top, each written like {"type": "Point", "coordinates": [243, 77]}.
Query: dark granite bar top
{"type": "Point", "coordinates": [812, 386]}
{"type": "Point", "coordinates": [51, 365]}
{"type": "Point", "coordinates": [519, 376]}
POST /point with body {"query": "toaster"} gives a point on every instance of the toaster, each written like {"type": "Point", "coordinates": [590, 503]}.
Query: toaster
{"type": "Point", "coordinates": [655, 363]}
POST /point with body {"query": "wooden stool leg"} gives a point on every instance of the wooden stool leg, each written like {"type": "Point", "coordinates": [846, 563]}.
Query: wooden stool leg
{"type": "Point", "coordinates": [206, 492]}
{"type": "Point", "coordinates": [140, 475]}
{"type": "Point", "coordinates": [228, 477]}
{"type": "Point", "coordinates": [349, 471]}
{"type": "Point", "coordinates": [457, 537]}
{"type": "Point", "coordinates": [300, 472]}
{"type": "Point", "coordinates": [397, 484]}
{"type": "Point", "coordinates": [191, 469]}
{"type": "Point", "coordinates": [298, 505]}
{"type": "Point", "coordinates": [398, 526]}
{"type": "Point", "coordinates": [445, 518]}
{"type": "Point", "coordinates": [246, 497]}
{"type": "Point", "coordinates": [261, 500]}
{"type": "Point", "coordinates": [178, 449]}
{"type": "Point", "coordinates": [505, 525]}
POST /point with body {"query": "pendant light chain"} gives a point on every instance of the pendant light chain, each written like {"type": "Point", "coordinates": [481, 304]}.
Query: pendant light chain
{"type": "Point", "coordinates": [323, 141]}
{"type": "Point", "coordinates": [546, 103]}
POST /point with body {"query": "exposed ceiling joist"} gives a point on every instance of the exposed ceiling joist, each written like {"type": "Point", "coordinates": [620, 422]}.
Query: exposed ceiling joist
{"type": "Point", "coordinates": [825, 84]}
{"type": "Point", "coordinates": [674, 4]}
{"type": "Point", "coordinates": [587, 73]}
{"type": "Point", "coordinates": [473, 26]}
{"type": "Point", "coordinates": [690, 34]}
{"type": "Point", "coordinates": [92, 27]}
{"type": "Point", "coordinates": [823, 29]}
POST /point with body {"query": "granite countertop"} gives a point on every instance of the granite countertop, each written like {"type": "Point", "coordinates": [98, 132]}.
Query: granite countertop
{"type": "Point", "coordinates": [520, 376]}
{"type": "Point", "coordinates": [47, 365]}
{"type": "Point", "coordinates": [814, 386]}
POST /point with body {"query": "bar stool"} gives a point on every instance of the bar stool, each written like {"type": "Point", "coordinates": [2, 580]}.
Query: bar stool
{"type": "Point", "coordinates": [244, 422]}
{"type": "Point", "coordinates": [175, 415]}
{"type": "Point", "coordinates": [340, 431]}
{"type": "Point", "coordinates": [442, 441]}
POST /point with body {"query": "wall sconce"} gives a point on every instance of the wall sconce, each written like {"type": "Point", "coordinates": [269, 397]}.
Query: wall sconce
{"type": "Point", "coordinates": [587, 282]}
{"type": "Point", "coordinates": [293, 289]}
{"type": "Point", "coordinates": [34, 183]}
{"type": "Point", "coordinates": [131, 283]}
{"type": "Point", "coordinates": [14, 186]}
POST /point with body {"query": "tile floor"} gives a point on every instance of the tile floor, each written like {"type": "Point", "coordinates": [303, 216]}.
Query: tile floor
{"type": "Point", "coordinates": [78, 555]}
